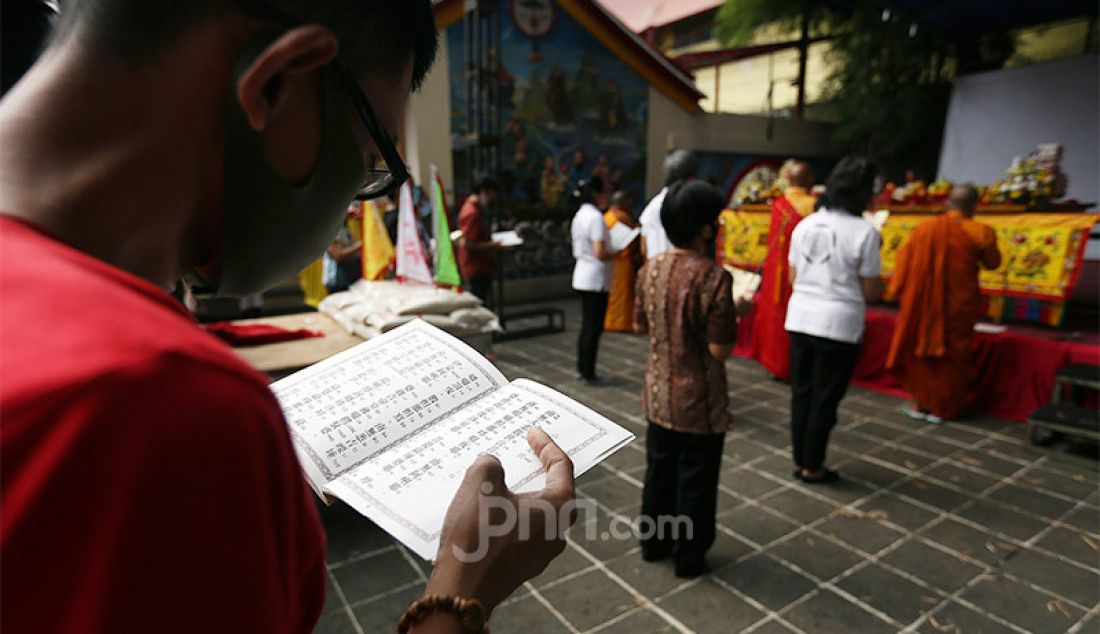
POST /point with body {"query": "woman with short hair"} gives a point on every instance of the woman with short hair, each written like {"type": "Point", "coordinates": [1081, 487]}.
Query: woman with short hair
{"type": "Point", "coordinates": [835, 268]}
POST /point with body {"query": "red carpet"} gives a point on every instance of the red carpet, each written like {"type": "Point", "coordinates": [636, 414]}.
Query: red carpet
{"type": "Point", "coordinates": [1013, 373]}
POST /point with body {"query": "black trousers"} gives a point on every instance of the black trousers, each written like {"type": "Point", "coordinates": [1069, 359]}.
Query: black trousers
{"type": "Point", "coordinates": [480, 285]}
{"type": "Point", "coordinates": [681, 479]}
{"type": "Point", "coordinates": [593, 312]}
{"type": "Point", "coordinates": [820, 371]}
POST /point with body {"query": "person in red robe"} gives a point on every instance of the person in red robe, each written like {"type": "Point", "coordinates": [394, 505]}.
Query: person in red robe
{"type": "Point", "coordinates": [770, 343]}
{"type": "Point", "coordinates": [936, 283]}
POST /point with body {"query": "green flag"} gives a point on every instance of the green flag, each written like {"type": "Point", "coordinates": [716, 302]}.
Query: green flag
{"type": "Point", "coordinates": [446, 269]}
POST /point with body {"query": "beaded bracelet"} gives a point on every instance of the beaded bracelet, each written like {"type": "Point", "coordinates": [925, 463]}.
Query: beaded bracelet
{"type": "Point", "coordinates": [469, 612]}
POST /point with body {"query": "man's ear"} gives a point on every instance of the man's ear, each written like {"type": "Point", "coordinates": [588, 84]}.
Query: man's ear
{"type": "Point", "coordinates": [261, 89]}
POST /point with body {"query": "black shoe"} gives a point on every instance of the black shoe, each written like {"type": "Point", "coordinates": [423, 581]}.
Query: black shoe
{"type": "Point", "coordinates": [826, 477]}
{"type": "Point", "coordinates": [595, 381]}
{"type": "Point", "coordinates": [690, 570]}
{"type": "Point", "coordinates": [655, 554]}
{"type": "Point", "coordinates": [797, 473]}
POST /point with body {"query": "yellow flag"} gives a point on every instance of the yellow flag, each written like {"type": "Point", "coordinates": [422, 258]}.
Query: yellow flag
{"type": "Point", "coordinates": [378, 252]}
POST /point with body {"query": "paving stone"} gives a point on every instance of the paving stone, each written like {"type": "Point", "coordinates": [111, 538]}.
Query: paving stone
{"type": "Point", "coordinates": [613, 492]}
{"type": "Point", "coordinates": [332, 599]}
{"type": "Point", "coordinates": [525, 616]}
{"type": "Point", "coordinates": [864, 534]}
{"type": "Point", "coordinates": [998, 518]}
{"type": "Point", "coordinates": [844, 491]}
{"type": "Point", "coordinates": [595, 536]}
{"type": "Point", "coordinates": [853, 442]}
{"type": "Point", "coordinates": [961, 432]}
{"type": "Point", "coordinates": [928, 443]}
{"type": "Point", "coordinates": [968, 479]}
{"type": "Point", "coordinates": [816, 555]}
{"type": "Point", "coordinates": [933, 566]}
{"type": "Point", "coordinates": [697, 605]}
{"type": "Point", "coordinates": [888, 592]}
{"type": "Point", "coordinates": [1032, 500]}
{"type": "Point", "coordinates": [903, 458]}
{"type": "Point", "coordinates": [766, 580]}
{"type": "Point", "coordinates": [931, 494]}
{"type": "Point", "coordinates": [872, 474]}
{"type": "Point", "coordinates": [880, 430]}
{"type": "Point", "coordinates": [799, 506]}
{"type": "Point", "coordinates": [570, 562]}
{"type": "Point", "coordinates": [898, 511]}
{"type": "Point", "coordinates": [641, 620]}
{"type": "Point", "coordinates": [652, 579]}
{"type": "Point", "coordinates": [756, 524]}
{"type": "Point", "coordinates": [830, 613]}
{"type": "Point", "coordinates": [983, 461]}
{"type": "Point", "coordinates": [968, 541]}
{"type": "Point", "coordinates": [963, 619]}
{"type": "Point", "coordinates": [773, 627]}
{"type": "Point", "coordinates": [381, 615]}
{"type": "Point", "coordinates": [375, 575]}
{"type": "Point", "coordinates": [748, 484]}
{"type": "Point", "coordinates": [1077, 487]}
{"type": "Point", "coordinates": [1073, 544]}
{"type": "Point", "coordinates": [1022, 606]}
{"type": "Point", "coordinates": [1084, 517]}
{"type": "Point", "coordinates": [1072, 582]}
{"type": "Point", "coordinates": [589, 600]}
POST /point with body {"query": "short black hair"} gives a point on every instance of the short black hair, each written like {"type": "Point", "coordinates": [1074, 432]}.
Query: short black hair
{"type": "Point", "coordinates": [380, 35]}
{"type": "Point", "coordinates": [688, 207]}
{"type": "Point", "coordinates": [585, 191]}
{"type": "Point", "coordinates": [680, 165]}
{"type": "Point", "coordinates": [851, 185]}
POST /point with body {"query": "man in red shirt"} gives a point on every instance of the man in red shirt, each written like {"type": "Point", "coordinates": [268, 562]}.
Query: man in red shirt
{"type": "Point", "coordinates": [147, 480]}
{"type": "Point", "coordinates": [476, 247]}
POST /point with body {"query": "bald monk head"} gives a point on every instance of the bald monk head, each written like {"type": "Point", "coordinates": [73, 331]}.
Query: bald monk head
{"type": "Point", "coordinates": [963, 198]}
{"type": "Point", "coordinates": [800, 175]}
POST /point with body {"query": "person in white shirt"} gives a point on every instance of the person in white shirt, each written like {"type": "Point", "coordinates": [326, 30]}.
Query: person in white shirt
{"type": "Point", "coordinates": [835, 271]}
{"type": "Point", "coordinates": [680, 165]}
{"type": "Point", "coordinates": [591, 274]}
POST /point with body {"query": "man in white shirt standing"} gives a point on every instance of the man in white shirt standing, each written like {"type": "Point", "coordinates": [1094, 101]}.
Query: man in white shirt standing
{"type": "Point", "coordinates": [680, 165]}
{"type": "Point", "coordinates": [592, 274]}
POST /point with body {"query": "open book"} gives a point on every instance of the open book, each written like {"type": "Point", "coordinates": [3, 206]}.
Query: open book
{"type": "Point", "coordinates": [391, 425]}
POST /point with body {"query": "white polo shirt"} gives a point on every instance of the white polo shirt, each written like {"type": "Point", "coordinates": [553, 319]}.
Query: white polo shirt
{"type": "Point", "coordinates": [590, 273]}
{"type": "Point", "coordinates": [831, 250]}
{"type": "Point", "coordinates": [656, 240]}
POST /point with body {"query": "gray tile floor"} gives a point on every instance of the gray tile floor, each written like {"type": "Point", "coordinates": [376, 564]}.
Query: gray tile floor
{"type": "Point", "coordinates": [958, 528]}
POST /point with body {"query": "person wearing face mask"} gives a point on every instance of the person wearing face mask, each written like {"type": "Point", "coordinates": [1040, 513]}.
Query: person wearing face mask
{"type": "Point", "coordinates": [147, 478]}
{"type": "Point", "coordinates": [476, 246]}
{"type": "Point", "coordinates": [684, 302]}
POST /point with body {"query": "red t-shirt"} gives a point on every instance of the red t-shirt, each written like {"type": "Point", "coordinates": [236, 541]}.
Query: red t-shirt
{"type": "Point", "coordinates": [148, 480]}
{"type": "Point", "coordinates": [472, 224]}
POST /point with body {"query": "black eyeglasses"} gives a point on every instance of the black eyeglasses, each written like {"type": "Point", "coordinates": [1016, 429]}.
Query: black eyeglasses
{"type": "Point", "coordinates": [383, 176]}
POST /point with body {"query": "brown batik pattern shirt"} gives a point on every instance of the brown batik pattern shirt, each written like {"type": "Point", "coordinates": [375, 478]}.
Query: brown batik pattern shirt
{"type": "Point", "coordinates": [683, 300]}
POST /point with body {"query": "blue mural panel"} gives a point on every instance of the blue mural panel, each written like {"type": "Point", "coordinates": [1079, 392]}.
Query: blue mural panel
{"type": "Point", "coordinates": [571, 109]}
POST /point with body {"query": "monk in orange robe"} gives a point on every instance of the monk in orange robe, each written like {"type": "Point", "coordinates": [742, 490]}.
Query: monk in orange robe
{"type": "Point", "coordinates": [770, 344]}
{"type": "Point", "coordinates": [936, 283]}
{"type": "Point", "coordinates": [620, 301]}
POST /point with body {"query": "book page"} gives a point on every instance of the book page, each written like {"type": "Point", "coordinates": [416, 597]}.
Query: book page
{"type": "Point", "coordinates": [353, 405]}
{"type": "Point", "coordinates": [620, 236]}
{"type": "Point", "coordinates": [745, 283]}
{"type": "Point", "coordinates": [408, 489]}
{"type": "Point", "coordinates": [507, 239]}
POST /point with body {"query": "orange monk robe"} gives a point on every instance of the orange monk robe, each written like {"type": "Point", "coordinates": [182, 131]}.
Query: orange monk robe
{"type": "Point", "coordinates": [770, 344]}
{"type": "Point", "coordinates": [936, 283]}
{"type": "Point", "coordinates": [620, 301]}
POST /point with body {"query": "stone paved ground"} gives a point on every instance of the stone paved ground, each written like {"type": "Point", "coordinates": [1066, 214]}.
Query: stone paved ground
{"type": "Point", "coordinates": [957, 528]}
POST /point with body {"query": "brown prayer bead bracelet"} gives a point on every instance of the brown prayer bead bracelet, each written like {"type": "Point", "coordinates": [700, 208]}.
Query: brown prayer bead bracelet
{"type": "Point", "coordinates": [469, 612]}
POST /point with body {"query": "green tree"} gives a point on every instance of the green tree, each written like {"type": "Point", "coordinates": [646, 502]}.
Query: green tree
{"type": "Point", "coordinates": [890, 74]}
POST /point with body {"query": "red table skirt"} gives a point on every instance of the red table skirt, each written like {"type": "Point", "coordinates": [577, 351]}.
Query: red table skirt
{"type": "Point", "coordinates": [1013, 372]}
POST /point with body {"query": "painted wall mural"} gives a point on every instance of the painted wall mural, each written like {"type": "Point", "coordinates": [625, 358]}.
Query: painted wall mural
{"type": "Point", "coordinates": [571, 109]}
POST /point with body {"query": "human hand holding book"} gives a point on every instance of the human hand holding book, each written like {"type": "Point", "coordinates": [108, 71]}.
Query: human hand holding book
{"type": "Point", "coordinates": [391, 426]}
